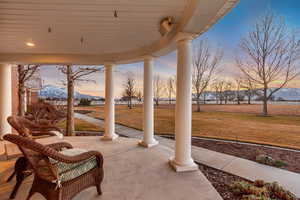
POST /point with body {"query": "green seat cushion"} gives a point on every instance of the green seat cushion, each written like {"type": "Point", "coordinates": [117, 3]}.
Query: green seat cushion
{"type": "Point", "coordinates": [69, 171]}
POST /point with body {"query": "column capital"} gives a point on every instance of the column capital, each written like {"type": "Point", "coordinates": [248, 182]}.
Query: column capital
{"type": "Point", "coordinates": [183, 36]}
{"type": "Point", "coordinates": [149, 57]}
{"type": "Point", "coordinates": [109, 64]}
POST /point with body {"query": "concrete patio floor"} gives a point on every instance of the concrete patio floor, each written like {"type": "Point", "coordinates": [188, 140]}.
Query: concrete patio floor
{"type": "Point", "coordinates": [133, 173]}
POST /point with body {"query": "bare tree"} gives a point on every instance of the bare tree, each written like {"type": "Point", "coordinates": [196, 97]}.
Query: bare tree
{"type": "Point", "coordinates": [271, 54]}
{"type": "Point", "coordinates": [158, 89]}
{"type": "Point", "coordinates": [219, 87]}
{"type": "Point", "coordinates": [139, 95]}
{"type": "Point", "coordinates": [75, 74]}
{"type": "Point", "coordinates": [129, 89]}
{"type": "Point", "coordinates": [228, 94]}
{"type": "Point", "coordinates": [205, 65]}
{"type": "Point", "coordinates": [25, 72]}
{"type": "Point", "coordinates": [238, 83]}
{"type": "Point", "coordinates": [250, 88]}
{"type": "Point", "coordinates": [170, 88]}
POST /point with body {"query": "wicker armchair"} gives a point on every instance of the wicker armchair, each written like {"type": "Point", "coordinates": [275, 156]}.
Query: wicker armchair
{"type": "Point", "coordinates": [60, 175]}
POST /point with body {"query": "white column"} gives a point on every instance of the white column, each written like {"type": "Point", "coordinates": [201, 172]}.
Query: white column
{"type": "Point", "coordinates": [5, 98]}
{"type": "Point", "coordinates": [148, 125]}
{"type": "Point", "coordinates": [109, 107]}
{"type": "Point", "coordinates": [183, 112]}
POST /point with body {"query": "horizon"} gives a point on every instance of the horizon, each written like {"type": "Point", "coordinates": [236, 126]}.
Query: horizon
{"type": "Point", "coordinates": [226, 34]}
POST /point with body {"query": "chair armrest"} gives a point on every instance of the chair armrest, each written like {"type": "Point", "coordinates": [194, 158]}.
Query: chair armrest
{"type": "Point", "coordinates": [60, 145]}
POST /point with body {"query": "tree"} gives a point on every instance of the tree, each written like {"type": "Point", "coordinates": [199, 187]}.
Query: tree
{"type": "Point", "coordinates": [170, 88]}
{"type": "Point", "coordinates": [75, 74]}
{"type": "Point", "coordinates": [25, 72]}
{"type": "Point", "coordinates": [129, 89]}
{"type": "Point", "coordinates": [158, 89]}
{"type": "Point", "coordinates": [139, 95]}
{"type": "Point", "coordinates": [250, 88]}
{"type": "Point", "coordinates": [271, 54]}
{"type": "Point", "coordinates": [205, 65]}
{"type": "Point", "coordinates": [238, 82]}
{"type": "Point", "coordinates": [219, 87]}
{"type": "Point", "coordinates": [228, 94]}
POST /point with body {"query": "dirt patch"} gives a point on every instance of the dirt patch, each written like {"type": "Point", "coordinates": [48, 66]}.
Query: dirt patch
{"type": "Point", "coordinates": [250, 152]}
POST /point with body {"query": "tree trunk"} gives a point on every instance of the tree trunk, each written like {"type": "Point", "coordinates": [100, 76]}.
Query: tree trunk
{"type": "Point", "coordinates": [198, 105]}
{"type": "Point", "coordinates": [249, 98]}
{"type": "Point", "coordinates": [238, 99]}
{"type": "Point", "coordinates": [156, 102]}
{"type": "Point", "coordinates": [130, 103]}
{"type": "Point", "coordinates": [21, 95]}
{"type": "Point", "coordinates": [265, 103]}
{"type": "Point", "coordinates": [21, 92]}
{"type": "Point", "coordinates": [70, 110]}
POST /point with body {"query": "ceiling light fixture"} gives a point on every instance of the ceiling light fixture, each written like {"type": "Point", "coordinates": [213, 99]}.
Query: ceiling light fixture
{"type": "Point", "coordinates": [115, 14]}
{"type": "Point", "coordinates": [30, 44]}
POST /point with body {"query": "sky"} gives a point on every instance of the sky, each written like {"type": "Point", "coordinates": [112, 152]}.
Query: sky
{"type": "Point", "coordinates": [225, 34]}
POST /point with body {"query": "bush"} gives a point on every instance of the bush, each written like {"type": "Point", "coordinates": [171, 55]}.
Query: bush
{"type": "Point", "coordinates": [259, 190]}
{"type": "Point", "coordinates": [85, 102]}
{"type": "Point", "coordinates": [268, 160]}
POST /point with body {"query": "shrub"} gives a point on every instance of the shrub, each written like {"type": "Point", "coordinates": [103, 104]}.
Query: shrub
{"type": "Point", "coordinates": [280, 163]}
{"type": "Point", "coordinates": [85, 102]}
{"type": "Point", "coordinates": [268, 160]}
{"type": "Point", "coordinates": [260, 190]}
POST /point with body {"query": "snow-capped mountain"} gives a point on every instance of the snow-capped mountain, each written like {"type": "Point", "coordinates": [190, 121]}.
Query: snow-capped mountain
{"type": "Point", "coordinates": [51, 91]}
{"type": "Point", "coordinates": [288, 94]}
{"type": "Point", "coordinates": [284, 94]}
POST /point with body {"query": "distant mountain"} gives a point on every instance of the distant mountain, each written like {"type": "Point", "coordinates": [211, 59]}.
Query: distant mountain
{"type": "Point", "coordinates": [51, 91]}
{"type": "Point", "coordinates": [288, 94]}
{"type": "Point", "coordinates": [284, 94]}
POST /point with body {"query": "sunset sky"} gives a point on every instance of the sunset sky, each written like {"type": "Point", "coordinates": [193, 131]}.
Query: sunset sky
{"type": "Point", "coordinates": [226, 34]}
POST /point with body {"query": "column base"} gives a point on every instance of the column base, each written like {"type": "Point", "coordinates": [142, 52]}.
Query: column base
{"type": "Point", "coordinates": [183, 168]}
{"type": "Point", "coordinates": [109, 137]}
{"type": "Point", "coordinates": [148, 145]}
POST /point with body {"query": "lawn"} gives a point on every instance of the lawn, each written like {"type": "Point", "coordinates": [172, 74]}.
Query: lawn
{"type": "Point", "coordinates": [281, 129]}
{"type": "Point", "coordinates": [81, 125]}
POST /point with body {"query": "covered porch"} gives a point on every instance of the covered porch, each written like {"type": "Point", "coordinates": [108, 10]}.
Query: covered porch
{"type": "Point", "coordinates": [133, 172]}
{"type": "Point", "coordinates": [74, 33]}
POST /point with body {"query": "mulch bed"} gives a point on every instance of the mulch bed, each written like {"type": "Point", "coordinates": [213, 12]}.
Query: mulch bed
{"type": "Point", "coordinates": [221, 181]}
{"type": "Point", "coordinates": [250, 152]}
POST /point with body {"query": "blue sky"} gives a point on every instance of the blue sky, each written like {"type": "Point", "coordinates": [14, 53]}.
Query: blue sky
{"type": "Point", "coordinates": [226, 34]}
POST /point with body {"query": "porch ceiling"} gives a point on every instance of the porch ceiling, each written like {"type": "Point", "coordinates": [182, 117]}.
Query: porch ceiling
{"type": "Point", "coordinates": [106, 38]}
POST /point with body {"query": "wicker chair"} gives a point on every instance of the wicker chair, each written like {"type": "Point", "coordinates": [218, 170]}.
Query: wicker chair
{"type": "Point", "coordinates": [27, 128]}
{"type": "Point", "coordinates": [60, 174]}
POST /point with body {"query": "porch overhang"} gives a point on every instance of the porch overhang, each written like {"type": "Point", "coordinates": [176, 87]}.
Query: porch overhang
{"type": "Point", "coordinates": [128, 38]}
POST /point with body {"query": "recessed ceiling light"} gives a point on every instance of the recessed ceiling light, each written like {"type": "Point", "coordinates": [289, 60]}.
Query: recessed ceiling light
{"type": "Point", "coordinates": [30, 44]}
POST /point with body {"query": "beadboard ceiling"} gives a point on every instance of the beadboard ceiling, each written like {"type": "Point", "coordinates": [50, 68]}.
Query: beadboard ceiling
{"type": "Point", "coordinates": [136, 26]}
